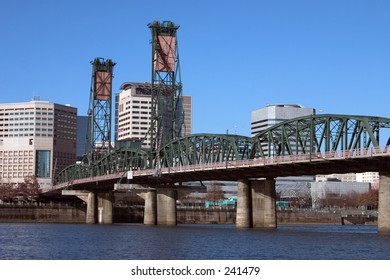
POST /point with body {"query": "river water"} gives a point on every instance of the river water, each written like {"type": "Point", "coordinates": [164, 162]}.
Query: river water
{"type": "Point", "coordinates": [35, 241]}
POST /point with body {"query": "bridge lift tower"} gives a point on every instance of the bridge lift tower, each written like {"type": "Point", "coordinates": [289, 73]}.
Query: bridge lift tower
{"type": "Point", "coordinates": [167, 114]}
{"type": "Point", "coordinates": [99, 113]}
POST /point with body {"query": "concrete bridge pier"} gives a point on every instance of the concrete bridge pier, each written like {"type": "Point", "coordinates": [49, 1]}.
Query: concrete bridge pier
{"type": "Point", "coordinates": [384, 203]}
{"type": "Point", "coordinates": [256, 204]}
{"type": "Point", "coordinates": [244, 205]}
{"type": "Point", "coordinates": [166, 207]}
{"type": "Point", "coordinates": [263, 204]}
{"type": "Point", "coordinates": [104, 207]}
{"type": "Point", "coordinates": [150, 210]}
{"type": "Point", "coordinates": [99, 205]}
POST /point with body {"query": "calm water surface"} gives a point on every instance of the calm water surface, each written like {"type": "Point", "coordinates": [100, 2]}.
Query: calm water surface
{"type": "Point", "coordinates": [191, 242]}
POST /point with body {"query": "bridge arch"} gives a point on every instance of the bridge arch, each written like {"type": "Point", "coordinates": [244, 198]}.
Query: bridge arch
{"type": "Point", "coordinates": [321, 134]}
{"type": "Point", "coordinates": [205, 148]}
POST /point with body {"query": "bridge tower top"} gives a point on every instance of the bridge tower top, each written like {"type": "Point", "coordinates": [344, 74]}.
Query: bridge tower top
{"type": "Point", "coordinates": [167, 114]}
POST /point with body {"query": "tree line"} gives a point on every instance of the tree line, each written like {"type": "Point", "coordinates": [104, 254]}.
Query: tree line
{"type": "Point", "coordinates": [26, 191]}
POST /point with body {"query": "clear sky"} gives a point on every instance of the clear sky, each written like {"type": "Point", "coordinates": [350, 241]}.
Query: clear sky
{"type": "Point", "coordinates": [235, 56]}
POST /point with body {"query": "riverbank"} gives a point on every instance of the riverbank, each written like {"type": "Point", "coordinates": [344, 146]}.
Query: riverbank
{"type": "Point", "coordinates": [65, 213]}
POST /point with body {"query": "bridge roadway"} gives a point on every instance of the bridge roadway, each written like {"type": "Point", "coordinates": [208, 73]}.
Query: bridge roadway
{"type": "Point", "coordinates": [256, 185]}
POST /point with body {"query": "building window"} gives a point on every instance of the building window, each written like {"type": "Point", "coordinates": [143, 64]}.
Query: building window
{"type": "Point", "coordinates": [43, 164]}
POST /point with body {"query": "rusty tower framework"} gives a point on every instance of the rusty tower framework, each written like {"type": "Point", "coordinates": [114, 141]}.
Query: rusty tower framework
{"type": "Point", "coordinates": [99, 113]}
{"type": "Point", "coordinates": [167, 114]}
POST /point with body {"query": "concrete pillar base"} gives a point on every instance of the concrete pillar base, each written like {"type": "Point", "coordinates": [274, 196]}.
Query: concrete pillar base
{"type": "Point", "coordinates": [166, 207]}
{"type": "Point", "coordinates": [256, 204]}
{"type": "Point", "coordinates": [263, 204]}
{"type": "Point", "coordinates": [244, 205]}
{"type": "Point", "coordinates": [99, 206]}
{"type": "Point", "coordinates": [384, 204]}
{"type": "Point", "coordinates": [150, 212]}
{"type": "Point", "coordinates": [90, 199]}
{"type": "Point", "coordinates": [104, 207]}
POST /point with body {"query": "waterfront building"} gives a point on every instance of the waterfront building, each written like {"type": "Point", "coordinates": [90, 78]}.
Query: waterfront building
{"type": "Point", "coordinates": [133, 113]}
{"type": "Point", "coordinates": [37, 138]}
{"type": "Point", "coordinates": [336, 190]}
{"type": "Point", "coordinates": [348, 177]}
{"type": "Point", "coordinates": [369, 177]}
{"type": "Point", "coordinates": [365, 177]}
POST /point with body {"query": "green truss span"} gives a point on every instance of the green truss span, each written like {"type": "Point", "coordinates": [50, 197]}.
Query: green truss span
{"type": "Point", "coordinates": [320, 134]}
{"type": "Point", "coordinates": [305, 135]}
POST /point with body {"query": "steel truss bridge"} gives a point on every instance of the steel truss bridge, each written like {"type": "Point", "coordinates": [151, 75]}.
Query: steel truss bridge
{"type": "Point", "coordinates": [315, 144]}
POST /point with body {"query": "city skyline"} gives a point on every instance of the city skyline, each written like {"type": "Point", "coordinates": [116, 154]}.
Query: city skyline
{"type": "Point", "coordinates": [234, 58]}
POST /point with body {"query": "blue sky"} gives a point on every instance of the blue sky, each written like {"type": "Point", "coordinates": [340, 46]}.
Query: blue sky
{"type": "Point", "coordinates": [235, 56]}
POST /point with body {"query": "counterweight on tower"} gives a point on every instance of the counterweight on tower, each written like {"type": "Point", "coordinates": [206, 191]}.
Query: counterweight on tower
{"type": "Point", "coordinates": [167, 116]}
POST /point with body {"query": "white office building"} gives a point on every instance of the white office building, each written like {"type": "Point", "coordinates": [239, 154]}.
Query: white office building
{"type": "Point", "coordinates": [133, 113]}
{"type": "Point", "coordinates": [37, 139]}
{"type": "Point", "coordinates": [273, 114]}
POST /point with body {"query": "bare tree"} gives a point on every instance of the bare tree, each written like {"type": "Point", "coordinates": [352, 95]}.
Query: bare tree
{"type": "Point", "coordinates": [215, 192]}
{"type": "Point", "coordinates": [29, 189]}
{"type": "Point", "coordinates": [369, 199]}
{"type": "Point", "coordinates": [7, 192]}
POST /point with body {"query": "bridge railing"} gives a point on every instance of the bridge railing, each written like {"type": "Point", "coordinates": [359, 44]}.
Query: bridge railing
{"type": "Point", "coordinates": [342, 154]}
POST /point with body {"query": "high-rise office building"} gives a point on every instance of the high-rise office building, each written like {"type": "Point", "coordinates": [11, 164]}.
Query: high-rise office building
{"type": "Point", "coordinates": [133, 113]}
{"type": "Point", "coordinates": [273, 114]}
{"type": "Point", "coordinates": [37, 139]}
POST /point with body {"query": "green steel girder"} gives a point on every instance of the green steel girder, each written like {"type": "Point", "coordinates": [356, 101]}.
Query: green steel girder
{"type": "Point", "coordinates": [117, 161]}
{"type": "Point", "coordinates": [319, 133]}
{"type": "Point", "coordinates": [120, 161]}
{"type": "Point", "coordinates": [73, 172]}
{"type": "Point", "coordinates": [205, 148]}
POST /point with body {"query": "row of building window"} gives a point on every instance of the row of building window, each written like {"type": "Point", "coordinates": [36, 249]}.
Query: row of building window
{"type": "Point", "coordinates": [27, 124]}
{"type": "Point", "coordinates": [128, 113]}
{"type": "Point", "coordinates": [27, 135]}
{"type": "Point", "coordinates": [138, 102]}
{"type": "Point", "coordinates": [15, 153]}
{"type": "Point", "coordinates": [15, 167]}
{"type": "Point", "coordinates": [26, 113]}
{"type": "Point", "coordinates": [134, 133]}
{"type": "Point", "coordinates": [10, 175]}
{"type": "Point", "coordinates": [27, 129]}
{"type": "Point", "coordinates": [16, 160]}
{"type": "Point", "coordinates": [26, 119]}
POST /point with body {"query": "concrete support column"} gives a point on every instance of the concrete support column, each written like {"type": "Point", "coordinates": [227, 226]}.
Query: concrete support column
{"type": "Point", "coordinates": [166, 207]}
{"type": "Point", "coordinates": [90, 199]}
{"type": "Point", "coordinates": [104, 207]}
{"type": "Point", "coordinates": [384, 204]}
{"type": "Point", "coordinates": [91, 208]}
{"type": "Point", "coordinates": [150, 212]}
{"type": "Point", "coordinates": [244, 205]}
{"type": "Point", "coordinates": [263, 204]}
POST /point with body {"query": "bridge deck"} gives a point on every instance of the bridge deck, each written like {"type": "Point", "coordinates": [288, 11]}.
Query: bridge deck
{"type": "Point", "coordinates": [377, 160]}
